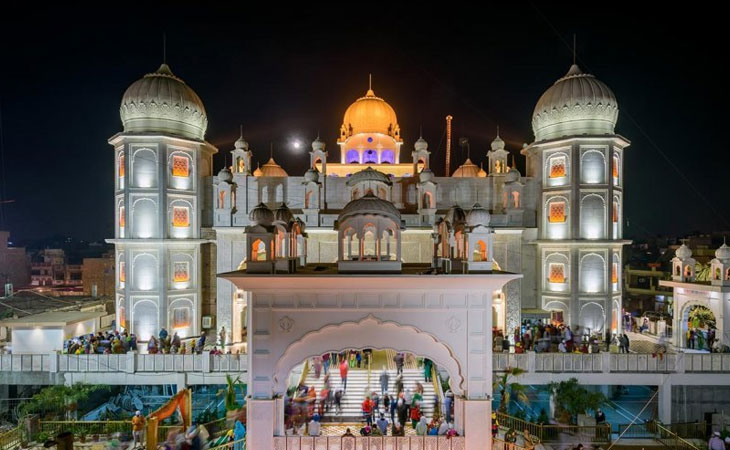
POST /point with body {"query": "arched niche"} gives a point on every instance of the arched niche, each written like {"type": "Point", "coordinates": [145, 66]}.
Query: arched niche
{"type": "Point", "coordinates": [370, 332]}
{"type": "Point", "coordinates": [593, 167]}
{"type": "Point", "coordinates": [592, 217]}
{"type": "Point", "coordinates": [592, 273]}
{"type": "Point", "coordinates": [592, 316]}
{"type": "Point", "coordinates": [144, 319]}
{"type": "Point", "coordinates": [144, 168]}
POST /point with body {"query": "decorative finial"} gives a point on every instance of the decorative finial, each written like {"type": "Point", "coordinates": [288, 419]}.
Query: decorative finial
{"type": "Point", "coordinates": [574, 49]}
{"type": "Point", "coordinates": [420, 134]}
{"type": "Point", "coordinates": [497, 130]}
{"type": "Point", "coordinates": [370, 82]}
{"type": "Point", "coordinates": [241, 128]}
{"type": "Point", "coordinates": [164, 47]}
{"type": "Point", "coordinates": [271, 150]}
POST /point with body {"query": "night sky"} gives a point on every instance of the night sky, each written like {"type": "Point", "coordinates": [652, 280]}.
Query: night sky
{"type": "Point", "coordinates": [287, 74]}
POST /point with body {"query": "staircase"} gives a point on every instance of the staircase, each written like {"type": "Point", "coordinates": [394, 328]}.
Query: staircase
{"type": "Point", "coordinates": [357, 381]}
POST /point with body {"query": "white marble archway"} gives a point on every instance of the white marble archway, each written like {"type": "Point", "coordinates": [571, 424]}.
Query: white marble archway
{"type": "Point", "coordinates": [370, 332]}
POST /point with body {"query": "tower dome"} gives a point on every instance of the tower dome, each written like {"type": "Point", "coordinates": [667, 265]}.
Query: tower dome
{"type": "Point", "coordinates": [683, 252]}
{"type": "Point", "coordinates": [370, 114]}
{"type": "Point", "coordinates": [311, 175]}
{"type": "Point", "coordinates": [272, 169]}
{"type": "Point", "coordinates": [421, 144]}
{"type": "Point", "coordinates": [723, 252]}
{"type": "Point", "coordinates": [512, 175]}
{"type": "Point", "coordinates": [261, 215]}
{"type": "Point", "coordinates": [240, 144]}
{"type": "Point", "coordinates": [225, 175]}
{"type": "Point", "coordinates": [478, 216]}
{"type": "Point", "coordinates": [318, 144]}
{"type": "Point", "coordinates": [369, 204]}
{"type": "Point", "coordinates": [425, 175]}
{"type": "Point", "coordinates": [576, 104]}
{"type": "Point", "coordinates": [283, 214]}
{"type": "Point", "coordinates": [161, 102]}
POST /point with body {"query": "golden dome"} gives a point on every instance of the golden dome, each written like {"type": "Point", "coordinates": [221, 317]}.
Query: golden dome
{"type": "Point", "coordinates": [482, 173]}
{"type": "Point", "coordinates": [370, 114]}
{"type": "Point", "coordinates": [258, 172]}
{"type": "Point", "coordinates": [271, 169]}
{"type": "Point", "coordinates": [466, 170]}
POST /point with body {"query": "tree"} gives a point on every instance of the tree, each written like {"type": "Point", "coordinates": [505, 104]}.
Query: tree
{"type": "Point", "coordinates": [572, 399]}
{"type": "Point", "coordinates": [510, 391]}
{"type": "Point", "coordinates": [229, 393]}
{"type": "Point", "coordinates": [59, 400]}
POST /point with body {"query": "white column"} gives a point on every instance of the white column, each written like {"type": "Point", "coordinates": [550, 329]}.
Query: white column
{"type": "Point", "coordinates": [260, 420]}
{"type": "Point", "coordinates": [478, 424]}
{"type": "Point", "coordinates": [665, 402]}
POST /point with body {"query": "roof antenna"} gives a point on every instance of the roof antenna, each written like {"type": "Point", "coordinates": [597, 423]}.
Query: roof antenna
{"type": "Point", "coordinates": [164, 48]}
{"type": "Point", "coordinates": [574, 49]}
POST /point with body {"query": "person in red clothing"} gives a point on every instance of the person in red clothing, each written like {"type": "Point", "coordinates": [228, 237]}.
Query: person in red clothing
{"type": "Point", "coordinates": [343, 374]}
{"type": "Point", "coordinates": [367, 410]}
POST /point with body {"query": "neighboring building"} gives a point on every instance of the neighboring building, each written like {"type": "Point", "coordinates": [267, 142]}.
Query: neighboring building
{"type": "Point", "coordinates": [98, 276]}
{"type": "Point", "coordinates": [559, 226]}
{"type": "Point", "coordinates": [51, 269]}
{"type": "Point", "coordinates": [14, 264]}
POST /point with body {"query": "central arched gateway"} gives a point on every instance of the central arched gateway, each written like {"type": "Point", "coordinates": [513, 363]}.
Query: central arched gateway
{"type": "Point", "coordinates": [370, 332]}
{"type": "Point", "coordinates": [445, 317]}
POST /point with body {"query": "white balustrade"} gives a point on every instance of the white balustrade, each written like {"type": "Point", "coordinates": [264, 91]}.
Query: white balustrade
{"type": "Point", "coordinates": [368, 443]}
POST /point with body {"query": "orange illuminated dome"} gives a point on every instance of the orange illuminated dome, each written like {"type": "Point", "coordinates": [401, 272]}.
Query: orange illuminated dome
{"type": "Point", "coordinates": [370, 114]}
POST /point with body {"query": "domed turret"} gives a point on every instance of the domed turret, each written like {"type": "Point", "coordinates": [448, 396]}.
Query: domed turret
{"type": "Point", "coordinates": [368, 174]}
{"type": "Point", "coordinates": [261, 215]}
{"type": "Point", "coordinates": [240, 144]}
{"type": "Point", "coordinates": [272, 169]}
{"type": "Point", "coordinates": [497, 143]}
{"type": "Point", "coordinates": [723, 252]}
{"type": "Point", "coordinates": [311, 175]}
{"type": "Point", "coordinates": [369, 204]}
{"type": "Point", "coordinates": [482, 173]}
{"type": "Point", "coordinates": [576, 104]}
{"type": "Point", "coordinates": [478, 216]}
{"type": "Point", "coordinates": [683, 252]}
{"type": "Point", "coordinates": [283, 214]}
{"type": "Point", "coordinates": [421, 145]}
{"type": "Point", "coordinates": [160, 102]}
{"type": "Point", "coordinates": [225, 175]}
{"type": "Point", "coordinates": [318, 144]}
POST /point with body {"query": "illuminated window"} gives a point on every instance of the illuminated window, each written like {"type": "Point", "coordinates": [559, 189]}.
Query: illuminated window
{"type": "Point", "coordinates": [727, 274]}
{"type": "Point", "coordinates": [121, 217]}
{"type": "Point", "coordinates": [123, 317]}
{"type": "Point", "coordinates": [480, 251]}
{"type": "Point", "coordinates": [615, 212]}
{"type": "Point", "coordinates": [258, 250]}
{"type": "Point", "coordinates": [181, 272]}
{"type": "Point", "coordinates": [180, 166]}
{"type": "Point", "coordinates": [240, 166]}
{"type": "Point", "coordinates": [121, 166]}
{"type": "Point", "coordinates": [557, 167]}
{"type": "Point", "coordinates": [516, 199]}
{"type": "Point", "coordinates": [556, 273]}
{"type": "Point", "coordinates": [687, 271]}
{"type": "Point", "coordinates": [614, 273]}
{"type": "Point", "coordinates": [180, 216]}
{"type": "Point", "coordinates": [122, 273]}
{"type": "Point", "coordinates": [556, 212]}
{"type": "Point", "coordinates": [614, 170]}
{"type": "Point", "coordinates": [180, 318]}
{"type": "Point", "coordinates": [717, 273]}
{"type": "Point", "coordinates": [221, 199]}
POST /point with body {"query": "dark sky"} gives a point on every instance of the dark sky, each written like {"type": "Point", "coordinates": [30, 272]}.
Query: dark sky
{"type": "Point", "coordinates": [287, 74]}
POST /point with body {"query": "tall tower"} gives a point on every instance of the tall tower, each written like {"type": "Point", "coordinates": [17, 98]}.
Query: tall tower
{"type": "Point", "coordinates": [162, 169]}
{"type": "Point", "coordinates": [577, 160]}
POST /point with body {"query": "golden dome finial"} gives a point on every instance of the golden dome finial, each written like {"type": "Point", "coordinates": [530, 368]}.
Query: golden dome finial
{"type": "Point", "coordinates": [370, 92]}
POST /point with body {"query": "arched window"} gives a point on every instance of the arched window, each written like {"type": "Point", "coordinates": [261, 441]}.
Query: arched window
{"type": "Point", "coordinates": [428, 200]}
{"type": "Point", "coordinates": [122, 274]}
{"type": "Point", "coordinates": [144, 168]}
{"type": "Point", "coordinates": [352, 157]}
{"type": "Point", "coordinates": [727, 273]}
{"type": "Point", "coordinates": [121, 170]}
{"type": "Point", "coordinates": [557, 167]}
{"type": "Point", "coordinates": [592, 217]}
{"type": "Point", "coordinates": [480, 251]}
{"type": "Point", "coordinates": [592, 273]}
{"type": "Point", "coordinates": [221, 199]}
{"type": "Point", "coordinates": [556, 273]}
{"type": "Point", "coordinates": [370, 157]}
{"type": "Point", "coordinates": [308, 199]}
{"type": "Point", "coordinates": [556, 212]}
{"type": "Point", "coordinates": [615, 169]}
{"type": "Point", "coordinates": [240, 165]}
{"type": "Point", "coordinates": [593, 167]}
{"type": "Point", "coordinates": [718, 273]}
{"type": "Point", "coordinates": [181, 272]}
{"type": "Point", "coordinates": [688, 271]}
{"type": "Point", "coordinates": [258, 250]}
{"type": "Point", "coordinates": [180, 166]}
{"type": "Point", "coordinates": [516, 199]}
{"type": "Point", "coordinates": [387, 157]}
{"type": "Point", "coordinates": [180, 216]}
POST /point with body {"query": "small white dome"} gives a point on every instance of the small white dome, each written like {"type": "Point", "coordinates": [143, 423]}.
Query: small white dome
{"type": "Point", "coordinates": [497, 143]}
{"type": "Point", "coordinates": [576, 104]}
{"type": "Point", "coordinates": [478, 216]}
{"type": "Point", "coordinates": [225, 175]}
{"type": "Point", "coordinates": [311, 175]}
{"type": "Point", "coordinates": [161, 102]}
{"type": "Point", "coordinates": [261, 215]}
{"type": "Point", "coordinates": [318, 144]}
{"type": "Point", "coordinates": [723, 252]}
{"type": "Point", "coordinates": [240, 144]}
{"type": "Point", "coordinates": [421, 144]}
{"type": "Point", "coordinates": [370, 205]}
{"type": "Point", "coordinates": [683, 252]}
{"type": "Point", "coordinates": [283, 214]}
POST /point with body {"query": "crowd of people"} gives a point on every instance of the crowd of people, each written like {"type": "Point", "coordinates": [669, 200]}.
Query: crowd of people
{"type": "Point", "coordinates": [305, 407]}
{"type": "Point", "coordinates": [556, 338]}
{"type": "Point", "coordinates": [117, 342]}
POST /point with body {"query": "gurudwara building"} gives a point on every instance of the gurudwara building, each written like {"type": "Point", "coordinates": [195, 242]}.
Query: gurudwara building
{"type": "Point", "coordinates": [178, 224]}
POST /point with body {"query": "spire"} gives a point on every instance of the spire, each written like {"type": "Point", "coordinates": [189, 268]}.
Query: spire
{"type": "Point", "coordinates": [271, 151]}
{"type": "Point", "coordinates": [370, 92]}
{"type": "Point", "coordinates": [164, 48]}
{"type": "Point", "coordinates": [241, 128]}
{"type": "Point", "coordinates": [574, 49]}
{"type": "Point", "coordinates": [497, 130]}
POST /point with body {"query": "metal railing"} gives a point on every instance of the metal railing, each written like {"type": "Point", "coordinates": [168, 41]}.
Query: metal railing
{"type": "Point", "coordinates": [672, 440]}
{"type": "Point", "coordinates": [11, 439]}
{"type": "Point", "coordinates": [233, 445]}
{"type": "Point", "coordinates": [689, 430]}
{"type": "Point", "coordinates": [557, 432]}
{"type": "Point", "coordinates": [500, 444]}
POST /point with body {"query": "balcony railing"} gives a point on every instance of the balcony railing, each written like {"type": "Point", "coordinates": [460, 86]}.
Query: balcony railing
{"type": "Point", "coordinates": [369, 442]}
{"type": "Point", "coordinates": [613, 362]}
{"type": "Point", "coordinates": [126, 363]}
